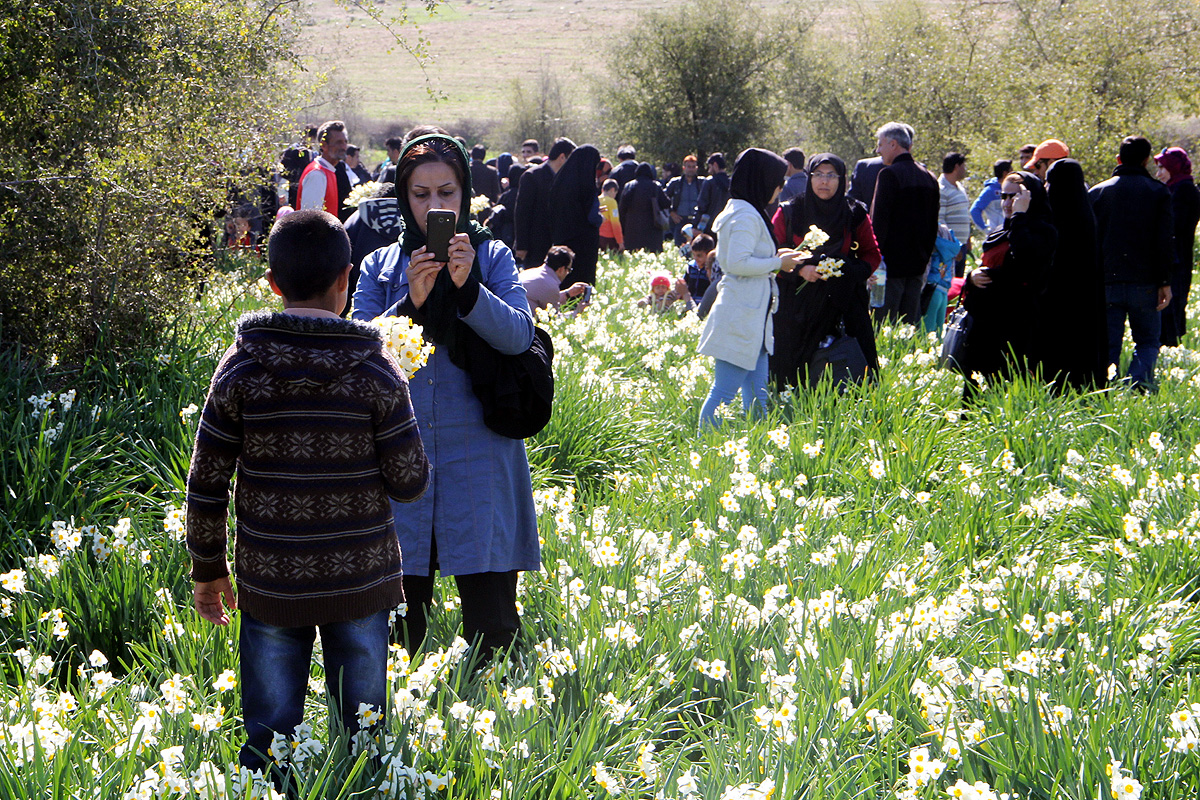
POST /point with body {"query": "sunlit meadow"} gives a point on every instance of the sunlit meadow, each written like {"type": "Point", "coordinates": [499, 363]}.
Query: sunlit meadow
{"type": "Point", "coordinates": [868, 595]}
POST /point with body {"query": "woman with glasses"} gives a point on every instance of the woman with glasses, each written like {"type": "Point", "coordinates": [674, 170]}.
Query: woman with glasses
{"type": "Point", "coordinates": [1006, 292]}
{"type": "Point", "coordinates": [813, 306]}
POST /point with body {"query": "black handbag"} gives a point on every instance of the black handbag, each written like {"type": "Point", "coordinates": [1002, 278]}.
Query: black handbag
{"type": "Point", "coordinates": [841, 362]}
{"type": "Point", "coordinates": [516, 391]}
{"type": "Point", "coordinates": [955, 340]}
{"type": "Point", "coordinates": [662, 217]}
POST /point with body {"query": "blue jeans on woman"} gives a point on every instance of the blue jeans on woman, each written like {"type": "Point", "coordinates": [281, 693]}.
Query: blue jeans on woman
{"type": "Point", "coordinates": [727, 380]}
{"type": "Point", "coordinates": [275, 666]}
{"type": "Point", "coordinates": [1139, 302]}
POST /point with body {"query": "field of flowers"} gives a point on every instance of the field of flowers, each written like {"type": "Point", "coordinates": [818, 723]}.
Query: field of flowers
{"type": "Point", "coordinates": [869, 595]}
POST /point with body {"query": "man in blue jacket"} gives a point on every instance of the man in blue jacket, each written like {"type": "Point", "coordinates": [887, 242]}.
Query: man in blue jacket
{"type": "Point", "coordinates": [1135, 231]}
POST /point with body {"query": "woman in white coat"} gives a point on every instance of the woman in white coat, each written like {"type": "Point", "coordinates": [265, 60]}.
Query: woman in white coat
{"type": "Point", "coordinates": [738, 332]}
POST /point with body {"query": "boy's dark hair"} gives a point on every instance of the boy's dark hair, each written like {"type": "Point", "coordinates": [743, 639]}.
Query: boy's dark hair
{"type": "Point", "coordinates": [478, 152]}
{"type": "Point", "coordinates": [394, 143]}
{"type": "Point", "coordinates": [561, 147]}
{"type": "Point", "coordinates": [626, 152]}
{"type": "Point", "coordinates": [610, 183]}
{"type": "Point", "coordinates": [531, 142]}
{"type": "Point", "coordinates": [1134, 150]}
{"type": "Point", "coordinates": [306, 251]}
{"type": "Point", "coordinates": [352, 149]}
{"type": "Point", "coordinates": [795, 157]}
{"type": "Point", "coordinates": [703, 243]}
{"type": "Point", "coordinates": [718, 159]}
{"type": "Point", "coordinates": [1002, 168]}
{"type": "Point", "coordinates": [560, 256]}
{"type": "Point", "coordinates": [951, 162]}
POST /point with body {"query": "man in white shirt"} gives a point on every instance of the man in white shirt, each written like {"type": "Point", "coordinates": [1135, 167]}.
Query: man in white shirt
{"type": "Point", "coordinates": [954, 209]}
{"type": "Point", "coordinates": [326, 182]}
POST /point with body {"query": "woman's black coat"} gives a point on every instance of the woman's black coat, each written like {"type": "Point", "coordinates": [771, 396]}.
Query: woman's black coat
{"type": "Point", "coordinates": [640, 199]}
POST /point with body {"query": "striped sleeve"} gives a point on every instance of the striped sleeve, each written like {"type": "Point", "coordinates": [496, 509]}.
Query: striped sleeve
{"type": "Point", "coordinates": [402, 461]}
{"type": "Point", "coordinates": [214, 458]}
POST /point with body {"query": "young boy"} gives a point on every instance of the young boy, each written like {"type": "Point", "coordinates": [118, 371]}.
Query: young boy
{"type": "Point", "coordinates": [315, 416]}
{"type": "Point", "coordinates": [611, 237]}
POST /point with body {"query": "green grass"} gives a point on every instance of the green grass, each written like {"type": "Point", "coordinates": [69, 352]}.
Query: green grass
{"type": "Point", "coordinates": [790, 607]}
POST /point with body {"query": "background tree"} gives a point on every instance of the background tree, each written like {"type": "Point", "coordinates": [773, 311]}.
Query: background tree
{"type": "Point", "coordinates": [701, 77]}
{"type": "Point", "coordinates": [984, 77]}
{"type": "Point", "coordinates": [123, 129]}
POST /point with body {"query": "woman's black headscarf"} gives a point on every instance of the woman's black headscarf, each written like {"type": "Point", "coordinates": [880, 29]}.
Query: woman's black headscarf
{"type": "Point", "coordinates": [756, 175]}
{"type": "Point", "coordinates": [514, 176]}
{"type": "Point", "coordinates": [503, 162]}
{"type": "Point", "coordinates": [1066, 192]}
{"type": "Point", "coordinates": [644, 170]}
{"type": "Point", "coordinates": [833, 215]}
{"type": "Point", "coordinates": [440, 311]}
{"type": "Point", "coordinates": [1039, 208]}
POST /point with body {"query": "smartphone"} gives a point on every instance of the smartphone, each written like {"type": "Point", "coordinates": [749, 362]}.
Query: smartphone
{"type": "Point", "coordinates": [586, 297]}
{"type": "Point", "coordinates": [439, 227]}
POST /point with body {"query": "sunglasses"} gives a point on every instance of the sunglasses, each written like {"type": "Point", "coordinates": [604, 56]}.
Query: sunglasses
{"type": "Point", "coordinates": [1007, 196]}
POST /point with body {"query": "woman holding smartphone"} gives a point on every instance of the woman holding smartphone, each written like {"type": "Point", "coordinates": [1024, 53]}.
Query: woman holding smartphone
{"type": "Point", "coordinates": [1006, 293]}
{"type": "Point", "coordinates": [477, 521]}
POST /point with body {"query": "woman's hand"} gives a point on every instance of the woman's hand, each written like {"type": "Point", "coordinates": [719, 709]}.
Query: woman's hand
{"type": "Point", "coordinates": [809, 273]}
{"type": "Point", "coordinates": [422, 272]}
{"type": "Point", "coordinates": [462, 257]}
{"type": "Point", "coordinates": [788, 259]}
{"type": "Point", "coordinates": [980, 277]}
{"type": "Point", "coordinates": [1022, 200]}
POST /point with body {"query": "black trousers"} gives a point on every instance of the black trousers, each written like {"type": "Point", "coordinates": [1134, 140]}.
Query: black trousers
{"type": "Point", "coordinates": [489, 610]}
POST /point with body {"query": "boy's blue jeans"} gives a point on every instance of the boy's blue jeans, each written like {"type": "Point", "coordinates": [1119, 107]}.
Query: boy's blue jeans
{"type": "Point", "coordinates": [727, 379]}
{"type": "Point", "coordinates": [275, 665]}
{"type": "Point", "coordinates": [1138, 302]}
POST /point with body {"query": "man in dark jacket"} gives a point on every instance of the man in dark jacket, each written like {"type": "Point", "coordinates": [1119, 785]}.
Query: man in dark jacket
{"type": "Point", "coordinates": [624, 171]}
{"type": "Point", "coordinates": [484, 179]}
{"type": "Point", "coordinates": [862, 179]}
{"type": "Point", "coordinates": [905, 216]}
{"type": "Point", "coordinates": [684, 191]}
{"type": "Point", "coordinates": [714, 194]}
{"type": "Point", "coordinates": [374, 224]}
{"type": "Point", "coordinates": [1134, 226]}
{"type": "Point", "coordinates": [532, 215]}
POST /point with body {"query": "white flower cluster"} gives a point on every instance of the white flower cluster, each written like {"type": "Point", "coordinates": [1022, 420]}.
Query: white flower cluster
{"type": "Point", "coordinates": [404, 341]}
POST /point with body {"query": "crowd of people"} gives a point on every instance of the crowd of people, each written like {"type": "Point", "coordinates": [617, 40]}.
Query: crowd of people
{"type": "Point", "coordinates": [1059, 268]}
{"type": "Point", "coordinates": [791, 262]}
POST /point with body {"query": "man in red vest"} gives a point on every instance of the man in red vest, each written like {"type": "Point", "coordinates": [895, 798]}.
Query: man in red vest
{"type": "Point", "coordinates": [326, 182]}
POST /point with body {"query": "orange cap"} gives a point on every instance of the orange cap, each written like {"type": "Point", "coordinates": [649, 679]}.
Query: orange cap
{"type": "Point", "coordinates": [1051, 149]}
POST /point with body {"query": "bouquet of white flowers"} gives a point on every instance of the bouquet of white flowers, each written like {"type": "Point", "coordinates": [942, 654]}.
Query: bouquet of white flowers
{"type": "Point", "coordinates": [359, 193]}
{"type": "Point", "coordinates": [405, 342]}
{"type": "Point", "coordinates": [812, 240]}
{"type": "Point", "coordinates": [479, 203]}
{"type": "Point", "coordinates": [829, 267]}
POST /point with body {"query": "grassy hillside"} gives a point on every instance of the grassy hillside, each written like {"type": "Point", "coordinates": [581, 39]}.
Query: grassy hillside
{"type": "Point", "coordinates": [480, 47]}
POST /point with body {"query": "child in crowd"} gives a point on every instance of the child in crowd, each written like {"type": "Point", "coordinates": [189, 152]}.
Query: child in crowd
{"type": "Point", "coordinates": [699, 268]}
{"type": "Point", "coordinates": [662, 296]}
{"type": "Point", "coordinates": [315, 416]}
{"type": "Point", "coordinates": [611, 237]}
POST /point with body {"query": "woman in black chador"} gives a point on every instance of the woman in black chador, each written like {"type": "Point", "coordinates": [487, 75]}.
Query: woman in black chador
{"type": "Point", "coordinates": [812, 308]}
{"type": "Point", "coordinates": [1073, 344]}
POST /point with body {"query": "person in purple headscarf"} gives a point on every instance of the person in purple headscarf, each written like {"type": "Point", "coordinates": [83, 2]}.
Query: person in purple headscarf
{"type": "Point", "coordinates": [1175, 170]}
